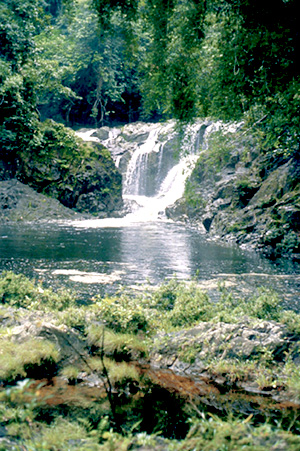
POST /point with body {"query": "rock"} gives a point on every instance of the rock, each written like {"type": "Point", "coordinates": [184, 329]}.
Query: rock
{"type": "Point", "coordinates": [71, 345]}
{"type": "Point", "coordinates": [93, 186]}
{"type": "Point", "coordinates": [243, 340]}
{"type": "Point", "coordinates": [103, 133]}
{"type": "Point", "coordinates": [19, 202]}
{"type": "Point", "coordinates": [244, 204]}
{"type": "Point", "coordinates": [207, 221]}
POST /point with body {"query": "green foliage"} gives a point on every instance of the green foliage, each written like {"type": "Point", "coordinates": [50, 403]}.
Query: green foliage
{"type": "Point", "coordinates": [292, 321]}
{"type": "Point", "coordinates": [62, 166]}
{"type": "Point", "coordinates": [85, 72]}
{"type": "Point", "coordinates": [20, 22]}
{"type": "Point", "coordinates": [192, 305]}
{"type": "Point", "coordinates": [121, 314]}
{"type": "Point", "coordinates": [121, 373]}
{"type": "Point", "coordinates": [71, 373]}
{"type": "Point", "coordinates": [148, 406]}
{"type": "Point", "coordinates": [18, 360]}
{"type": "Point", "coordinates": [119, 346]}
{"type": "Point", "coordinates": [60, 435]}
{"type": "Point", "coordinates": [192, 197]}
{"type": "Point", "coordinates": [17, 290]}
{"type": "Point", "coordinates": [266, 305]}
{"type": "Point", "coordinates": [214, 434]}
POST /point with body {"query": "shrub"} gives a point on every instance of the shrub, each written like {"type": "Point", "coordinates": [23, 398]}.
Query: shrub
{"type": "Point", "coordinates": [191, 305]}
{"type": "Point", "coordinates": [33, 357]}
{"type": "Point", "coordinates": [264, 306]}
{"type": "Point", "coordinates": [18, 291]}
{"type": "Point", "coordinates": [122, 314]}
{"type": "Point", "coordinates": [292, 321]}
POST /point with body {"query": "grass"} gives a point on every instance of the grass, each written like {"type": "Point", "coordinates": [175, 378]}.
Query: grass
{"type": "Point", "coordinates": [124, 346]}
{"type": "Point", "coordinates": [33, 355]}
{"type": "Point", "coordinates": [18, 291]}
{"type": "Point", "coordinates": [123, 328]}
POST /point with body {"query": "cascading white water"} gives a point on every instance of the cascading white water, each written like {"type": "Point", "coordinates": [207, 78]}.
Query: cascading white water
{"type": "Point", "coordinates": [155, 160]}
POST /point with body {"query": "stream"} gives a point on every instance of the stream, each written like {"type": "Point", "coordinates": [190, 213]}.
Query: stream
{"type": "Point", "coordinates": [99, 256]}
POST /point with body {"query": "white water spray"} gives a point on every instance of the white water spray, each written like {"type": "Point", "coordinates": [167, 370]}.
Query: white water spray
{"type": "Point", "coordinates": [155, 162]}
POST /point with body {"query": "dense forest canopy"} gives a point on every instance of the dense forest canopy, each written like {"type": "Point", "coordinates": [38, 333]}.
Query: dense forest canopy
{"type": "Point", "coordinates": [108, 61]}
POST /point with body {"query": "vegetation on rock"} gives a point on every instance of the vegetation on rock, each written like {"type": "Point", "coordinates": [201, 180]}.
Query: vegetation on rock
{"type": "Point", "coordinates": [237, 347]}
{"type": "Point", "coordinates": [243, 194]}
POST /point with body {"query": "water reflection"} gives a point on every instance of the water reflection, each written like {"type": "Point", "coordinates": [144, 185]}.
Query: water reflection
{"type": "Point", "coordinates": [97, 260]}
{"type": "Point", "coordinates": [156, 252]}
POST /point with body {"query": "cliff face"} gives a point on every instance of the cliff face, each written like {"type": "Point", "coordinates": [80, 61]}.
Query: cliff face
{"type": "Point", "coordinates": [245, 196]}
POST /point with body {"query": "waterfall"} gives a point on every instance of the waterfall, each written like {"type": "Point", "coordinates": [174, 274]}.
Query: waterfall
{"type": "Point", "coordinates": [155, 160]}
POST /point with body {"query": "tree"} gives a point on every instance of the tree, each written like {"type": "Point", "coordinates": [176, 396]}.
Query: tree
{"type": "Point", "coordinates": [255, 52]}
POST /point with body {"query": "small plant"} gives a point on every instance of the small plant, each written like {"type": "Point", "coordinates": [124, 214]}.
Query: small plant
{"type": "Point", "coordinates": [232, 369]}
{"type": "Point", "coordinates": [265, 379]}
{"type": "Point", "coordinates": [119, 346]}
{"type": "Point", "coordinates": [121, 373]}
{"type": "Point", "coordinates": [118, 372]}
{"type": "Point", "coordinates": [192, 305]}
{"type": "Point", "coordinates": [31, 357]}
{"type": "Point", "coordinates": [62, 435]}
{"type": "Point", "coordinates": [292, 321]}
{"type": "Point", "coordinates": [121, 314]}
{"type": "Point", "coordinates": [71, 373]}
{"type": "Point", "coordinates": [216, 434]}
{"type": "Point", "coordinates": [18, 291]}
{"type": "Point", "coordinates": [265, 306]}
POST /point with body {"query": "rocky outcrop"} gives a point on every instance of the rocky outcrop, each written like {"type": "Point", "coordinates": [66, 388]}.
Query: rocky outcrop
{"type": "Point", "coordinates": [238, 366]}
{"type": "Point", "coordinates": [249, 200]}
{"type": "Point", "coordinates": [156, 149]}
{"type": "Point", "coordinates": [188, 351]}
{"type": "Point", "coordinates": [81, 176]}
{"type": "Point", "coordinates": [93, 185]}
{"type": "Point", "coordinates": [19, 202]}
{"type": "Point", "coordinates": [71, 346]}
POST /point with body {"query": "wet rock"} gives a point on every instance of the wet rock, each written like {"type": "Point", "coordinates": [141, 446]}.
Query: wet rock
{"type": "Point", "coordinates": [102, 133]}
{"type": "Point", "coordinates": [207, 221]}
{"type": "Point", "coordinates": [242, 205]}
{"type": "Point", "coordinates": [93, 186]}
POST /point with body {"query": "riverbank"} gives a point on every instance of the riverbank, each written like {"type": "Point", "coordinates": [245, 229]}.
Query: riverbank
{"type": "Point", "coordinates": [147, 371]}
{"type": "Point", "coordinates": [19, 202]}
{"type": "Point", "coordinates": [244, 194]}
{"type": "Point", "coordinates": [237, 191]}
{"type": "Point", "coordinates": [81, 176]}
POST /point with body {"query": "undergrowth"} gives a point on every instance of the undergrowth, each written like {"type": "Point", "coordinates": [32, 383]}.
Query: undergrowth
{"type": "Point", "coordinates": [119, 331]}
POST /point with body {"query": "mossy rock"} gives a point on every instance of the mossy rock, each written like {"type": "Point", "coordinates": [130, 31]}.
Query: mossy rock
{"type": "Point", "coordinates": [82, 176]}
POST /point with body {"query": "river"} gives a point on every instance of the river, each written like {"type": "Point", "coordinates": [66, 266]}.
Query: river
{"type": "Point", "coordinates": [94, 259]}
{"type": "Point", "coordinates": [144, 248]}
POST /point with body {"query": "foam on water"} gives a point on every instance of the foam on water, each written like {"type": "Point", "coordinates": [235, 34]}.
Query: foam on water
{"type": "Point", "coordinates": [168, 185]}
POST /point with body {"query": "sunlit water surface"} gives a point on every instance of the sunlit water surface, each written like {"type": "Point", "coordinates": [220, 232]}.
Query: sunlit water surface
{"type": "Point", "coordinates": [100, 256]}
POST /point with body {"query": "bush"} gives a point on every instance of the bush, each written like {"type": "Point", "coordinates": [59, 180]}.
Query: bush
{"type": "Point", "coordinates": [191, 305]}
{"type": "Point", "coordinates": [32, 357]}
{"type": "Point", "coordinates": [18, 291]}
{"type": "Point", "coordinates": [122, 314]}
{"type": "Point", "coordinates": [264, 306]}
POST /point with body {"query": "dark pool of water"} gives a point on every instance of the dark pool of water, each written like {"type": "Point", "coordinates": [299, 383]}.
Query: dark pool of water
{"type": "Point", "coordinates": [95, 260]}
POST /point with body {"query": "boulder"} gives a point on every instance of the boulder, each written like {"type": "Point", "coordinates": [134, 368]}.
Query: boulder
{"type": "Point", "coordinates": [71, 345]}
{"type": "Point", "coordinates": [19, 202]}
{"type": "Point", "coordinates": [247, 339]}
